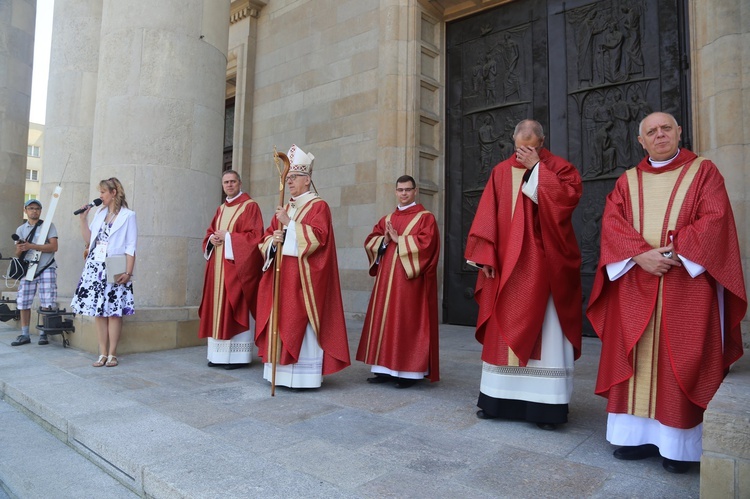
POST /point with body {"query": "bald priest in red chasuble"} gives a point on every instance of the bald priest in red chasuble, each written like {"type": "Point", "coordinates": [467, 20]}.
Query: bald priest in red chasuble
{"type": "Point", "coordinates": [529, 285]}
{"type": "Point", "coordinates": [400, 334]}
{"type": "Point", "coordinates": [233, 268]}
{"type": "Point", "coordinates": [667, 300]}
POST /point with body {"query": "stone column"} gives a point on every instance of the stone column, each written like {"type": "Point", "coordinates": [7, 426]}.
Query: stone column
{"type": "Point", "coordinates": [721, 100]}
{"type": "Point", "coordinates": [71, 96]}
{"type": "Point", "coordinates": [17, 22]}
{"type": "Point", "coordinates": [720, 35]}
{"type": "Point", "coordinates": [158, 127]}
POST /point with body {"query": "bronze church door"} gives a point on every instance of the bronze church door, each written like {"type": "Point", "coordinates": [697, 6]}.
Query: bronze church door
{"type": "Point", "coordinates": [588, 71]}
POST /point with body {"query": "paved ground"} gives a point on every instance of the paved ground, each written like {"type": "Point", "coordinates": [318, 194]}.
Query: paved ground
{"type": "Point", "coordinates": [165, 425]}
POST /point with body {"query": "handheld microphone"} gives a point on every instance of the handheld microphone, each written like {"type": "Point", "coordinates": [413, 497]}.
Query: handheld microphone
{"type": "Point", "coordinates": [16, 238]}
{"type": "Point", "coordinates": [95, 202]}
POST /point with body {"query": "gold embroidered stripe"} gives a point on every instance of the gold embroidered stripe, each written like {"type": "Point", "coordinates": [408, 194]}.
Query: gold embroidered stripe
{"type": "Point", "coordinates": [656, 205]}
{"type": "Point", "coordinates": [228, 216]}
{"type": "Point", "coordinates": [408, 251]}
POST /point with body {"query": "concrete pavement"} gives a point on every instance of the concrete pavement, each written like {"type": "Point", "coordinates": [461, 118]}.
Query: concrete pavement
{"type": "Point", "coordinates": [164, 424]}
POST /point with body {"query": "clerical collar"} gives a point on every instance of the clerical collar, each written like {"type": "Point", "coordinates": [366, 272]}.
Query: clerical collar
{"type": "Point", "coordinates": [238, 195]}
{"type": "Point", "coordinates": [659, 164]}
{"type": "Point", "coordinates": [402, 208]}
{"type": "Point", "coordinates": [301, 199]}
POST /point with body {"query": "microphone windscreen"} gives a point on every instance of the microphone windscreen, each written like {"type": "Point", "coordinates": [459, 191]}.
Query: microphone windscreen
{"type": "Point", "coordinates": [97, 202]}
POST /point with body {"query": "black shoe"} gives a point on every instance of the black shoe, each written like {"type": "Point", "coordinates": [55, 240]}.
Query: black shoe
{"type": "Point", "coordinates": [379, 378]}
{"type": "Point", "coordinates": [43, 339]}
{"type": "Point", "coordinates": [405, 382]}
{"type": "Point", "coordinates": [483, 415]}
{"type": "Point", "coordinates": [23, 339]}
{"type": "Point", "coordinates": [232, 367]}
{"type": "Point", "coordinates": [676, 466]}
{"type": "Point", "coordinates": [636, 452]}
{"type": "Point", "coordinates": [547, 426]}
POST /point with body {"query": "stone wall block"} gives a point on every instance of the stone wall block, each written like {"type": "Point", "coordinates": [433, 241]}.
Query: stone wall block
{"type": "Point", "coordinates": [323, 93]}
{"type": "Point", "coordinates": [180, 67]}
{"type": "Point", "coordinates": [743, 477]}
{"type": "Point", "coordinates": [729, 160]}
{"type": "Point", "coordinates": [726, 425]}
{"type": "Point", "coordinates": [366, 172]}
{"type": "Point", "coordinates": [727, 17]}
{"type": "Point", "coordinates": [206, 150]}
{"type": "Point", "coordinates": [71, 94]}
{"type": "Point", "coordinates": [351, 258]}
{"type": "Point", "coordinates": [717, 477]}
{"type": "Point", "coordinates": [19, 83]}
{"type": "Point", "coordinates": [331, 195]}
{"type": "Point", "coordinates": [81, 8]}
{"type": "Point", "coordinates": [358, 194]}
{"type": "Point", "coordinates": [329, 177]}
{"type": "Point", "coordinates": [213, 27]}
{"type": "Point", "coordinates": [727, 52]}
{"type": "Point", "coordinates": [356, 300]}
{"type": "Point", "coordinates": [322, 132]}
{"type": "Point", "coordinates": [77, 43]}
{"type": "Point", "coordinates": [354, 104]}
{"type": "Point", "coordinates": [366, 80]}
{"type": "Point", "coordinates": [361, 147]}
{"type": "Point", "coordinates": [727, 118]}
{"type": "Point", "coordinates": [160, 271]}
{"type": "Point", "coordinates": [358, 278]}
{"type": "Point", "coordinates": [196, 265]}
{"type": "Point", "coordinates": [706, 71]}
{"type": "Point", "coordinates": [143, 130]}
{"type": "Point", "coordinates": [124, 46]}
{"type": "Point", "coordinates": [366, 61]}
{"type": "Point", "coordinates": [179, 16]}
{"type": "Point", "coordinates": [166, 194]}
{"type": "Point", "coordinates": [362, 215]}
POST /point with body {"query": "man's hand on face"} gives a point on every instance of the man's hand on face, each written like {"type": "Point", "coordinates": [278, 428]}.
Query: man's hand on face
{"type": "Point", "coordinates": [527, 156]}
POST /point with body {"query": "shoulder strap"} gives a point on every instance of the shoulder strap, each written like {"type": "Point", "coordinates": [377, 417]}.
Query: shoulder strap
{"type": "Point", "coordinates": [30, 237]}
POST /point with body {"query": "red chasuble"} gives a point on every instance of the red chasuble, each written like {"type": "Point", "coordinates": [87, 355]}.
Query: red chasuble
{"type": "Point", "coordinates": [670, 324]}
{"type": "Point", "coordinates": [230, 288]}
{"type": "Point", "coordinates": [310, 292]}
{"type": "Point", "coordinates": [535, 254]}
{"type": "Point", "coordinates": [401, 326]}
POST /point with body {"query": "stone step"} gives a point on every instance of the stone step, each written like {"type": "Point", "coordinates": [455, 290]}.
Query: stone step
{"type": "Point", "coordinates": [33, 463]}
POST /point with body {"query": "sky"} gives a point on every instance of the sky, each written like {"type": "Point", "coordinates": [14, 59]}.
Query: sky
{"type": "Point", "coordinates": [40, 75]}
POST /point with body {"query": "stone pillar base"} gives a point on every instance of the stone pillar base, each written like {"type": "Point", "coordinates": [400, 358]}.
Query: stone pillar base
{"type": "Point", "coordinates": [149, 330]}
{"type": "Point", "coordinates": [725, 464]}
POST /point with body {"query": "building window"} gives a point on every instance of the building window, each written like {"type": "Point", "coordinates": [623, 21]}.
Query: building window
{"type": "Point", "coordinates": [26, 197]}
{"type": "Point", "coordinates": [32, 175]}
{"type": "Point", "coordinates": [33, 151]}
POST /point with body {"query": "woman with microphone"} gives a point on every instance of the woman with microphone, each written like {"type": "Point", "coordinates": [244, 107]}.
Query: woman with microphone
{"type": "Point", "coordinates": [111, 233]}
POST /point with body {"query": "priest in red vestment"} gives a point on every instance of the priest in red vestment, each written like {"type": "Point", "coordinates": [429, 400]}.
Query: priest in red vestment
{"type": "Point", "coordinates": [311, 314]}
{"type": "Point", "coordinates": [529, 285]}
{"type": "Point", "coordinates": [667, 300]}
{"type": "Point", "coordinates": [400, 334]}
{"type": "Point", "coordinates": [233, 269]}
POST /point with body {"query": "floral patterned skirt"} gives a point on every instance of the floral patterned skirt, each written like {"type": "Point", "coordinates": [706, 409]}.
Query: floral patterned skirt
{"type": "Point", "coordinates": [96, 297]}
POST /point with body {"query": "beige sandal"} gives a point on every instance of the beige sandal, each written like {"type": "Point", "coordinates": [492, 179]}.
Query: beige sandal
{"type": "Point", "coordinates": [111, 361]}
{"type": "Point", "coordinates": [101, 361]}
